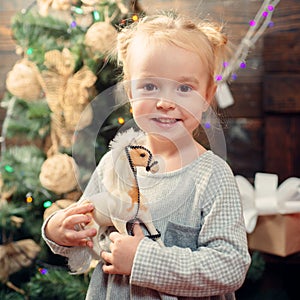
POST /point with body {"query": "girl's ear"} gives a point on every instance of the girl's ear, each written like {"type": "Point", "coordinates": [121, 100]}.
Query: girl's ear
{"type": "Point", "coordinates": [209, 96]}
{"type": "Point", "coordinates": [210, 93]}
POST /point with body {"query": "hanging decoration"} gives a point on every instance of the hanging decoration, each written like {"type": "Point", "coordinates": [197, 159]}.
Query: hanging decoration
{"type": "Point", "coordinates": [258, 25]}
{"type": "Point", "coordinates": [67, 95]}
{"type": "Point", "coordinates": [23, 75]}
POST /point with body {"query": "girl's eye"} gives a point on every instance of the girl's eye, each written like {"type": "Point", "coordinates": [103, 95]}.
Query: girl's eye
{"type": "Point", "coordinates": [184, 88]}
{"type": "Point", "coordinates": [149, 87]}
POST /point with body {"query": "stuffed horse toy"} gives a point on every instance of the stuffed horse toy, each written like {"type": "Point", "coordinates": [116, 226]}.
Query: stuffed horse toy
{"type": "Point", "coordinates": [122, 201]}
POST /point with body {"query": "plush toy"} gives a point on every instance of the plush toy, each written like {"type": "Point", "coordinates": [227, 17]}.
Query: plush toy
{"type": "Point", "coordinates": [122, 201]}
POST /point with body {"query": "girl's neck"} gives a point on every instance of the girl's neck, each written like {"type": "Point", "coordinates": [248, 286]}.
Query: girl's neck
{"type": "Point", "coordinates": [173, 156]}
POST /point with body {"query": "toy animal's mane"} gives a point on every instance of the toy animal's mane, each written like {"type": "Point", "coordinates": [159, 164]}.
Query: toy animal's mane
{"type": "Point", "coordinates": [118, 176]}
{"type": "Point", "coordinates": [129, 137]}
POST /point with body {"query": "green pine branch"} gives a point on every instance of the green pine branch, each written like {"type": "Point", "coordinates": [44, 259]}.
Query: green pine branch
{"type": "Point", "coordinates": [30, 120]}
{"type": "Point", "coordinates": [67, 287]}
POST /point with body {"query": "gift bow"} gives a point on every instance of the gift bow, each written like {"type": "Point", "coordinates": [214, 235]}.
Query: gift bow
{"type": "Point", "coordinates": [267, 198]}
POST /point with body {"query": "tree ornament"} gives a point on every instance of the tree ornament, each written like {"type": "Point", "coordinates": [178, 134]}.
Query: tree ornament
{"type": "Point", "coordinates": [16, 255]}
{"type": "Point", "coordinates": [61, 4]}
{"type": "Point", "coordinates": [67, 95]}
{"type": "Point", "coordinates": [100, 38]}
{"type": "Point", "coordinates": [59, 173]}
{"type": "Point", "coordinates": [43, 7]}
{"type": "Point", "coordinates": [24, 75]}
{"type": "Point", "coordinates": [90, 2]}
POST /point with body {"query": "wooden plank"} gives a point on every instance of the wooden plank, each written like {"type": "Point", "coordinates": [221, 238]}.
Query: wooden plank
{"type": "Point", "coordinates": [244, 138]}
{"type": "Point", "coordinates": [6, 41]}
{"type": "Point", "coordinates": [247, 100]}
{"type": "Point", "coordinates": [15, 5]}
{"type": "Point", "coordinates": [286, 16]}
{"type": "Point", "coordinates": [282, 52]}
{"type": "Point", "coordinates": [7, 61]}
{"type": "Point", "coordinates": [281, 93]}
{"type": "Point", "coordinates": [282, 146]}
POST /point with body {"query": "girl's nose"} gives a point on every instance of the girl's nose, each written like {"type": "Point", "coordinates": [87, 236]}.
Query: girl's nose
{"type": "Point", "coordinates": [165, 104]}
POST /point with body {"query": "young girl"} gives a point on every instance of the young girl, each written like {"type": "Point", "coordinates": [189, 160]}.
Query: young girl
{"type": "Point", "coordinates": [170, 64]}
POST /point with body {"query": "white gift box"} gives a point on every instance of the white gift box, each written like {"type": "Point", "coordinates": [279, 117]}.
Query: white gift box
{"type": "Point", "coordinates": [271, 213]}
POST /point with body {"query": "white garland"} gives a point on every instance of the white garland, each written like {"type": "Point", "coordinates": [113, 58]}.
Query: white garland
{"type": "Point", "coordinates": [257, 28]}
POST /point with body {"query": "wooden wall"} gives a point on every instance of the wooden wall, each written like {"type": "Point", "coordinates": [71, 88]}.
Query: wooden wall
{"type": "Point", "coordinates": [262, 126]}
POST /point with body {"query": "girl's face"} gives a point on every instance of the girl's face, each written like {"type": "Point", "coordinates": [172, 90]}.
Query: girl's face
{"type": "Point", "coordinates": [168, 89]}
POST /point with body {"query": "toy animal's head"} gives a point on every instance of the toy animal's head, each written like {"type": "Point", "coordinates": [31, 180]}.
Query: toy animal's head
{"type": "Point", "coordinates": [126, 154]}
{"type": "Point", "coordinates": [140, 156]}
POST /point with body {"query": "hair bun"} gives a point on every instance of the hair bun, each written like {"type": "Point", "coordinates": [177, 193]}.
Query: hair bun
{"type": "Point", "coordinates": [214, 33]}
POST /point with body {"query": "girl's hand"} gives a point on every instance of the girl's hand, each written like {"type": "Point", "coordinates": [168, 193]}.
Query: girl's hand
{"type": "Point", "coordinates": [123, 249]}
{"type": "Point", "coordinates": [61, 226]}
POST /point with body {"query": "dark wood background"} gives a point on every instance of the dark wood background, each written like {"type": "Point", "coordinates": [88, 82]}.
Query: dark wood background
{"type": "Point", "coordinates": [263, 126]}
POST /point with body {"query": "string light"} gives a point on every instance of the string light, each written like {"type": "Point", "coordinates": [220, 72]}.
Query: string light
{"type": "Point", "coordinates": [121, 120]}
{"type": "Point", "coordinates": [96, 15]}
{"type": "Point", "coordinates": [252, 23]}
{"type": "Point", "coordinates": [258, 25]}
{"type": "Point", "coordinates": [243, 65]}
{"type": "Point", "coordinates": [234, 76]}
{"type": "Point", "coordinates": [207, 125]}
{"type": "Point", "coordinates": [135, 18]}
{"type": "Point", "coordinates": [29, 198]}
{"type": "Point", "coordinates": [78, 10]}
{"type": "Point", "coordinates": [9, 169]}
{"type": "Point", "coordinates": [73, 24]}
{"type": "Point", "coordinates": [219, 77]}
{"type": "Point", "coordinates": [43, 271]}
{"type": "Point", "coordinates": [47, 204]}
{"type": "Point", "coordinates": [29, 51]}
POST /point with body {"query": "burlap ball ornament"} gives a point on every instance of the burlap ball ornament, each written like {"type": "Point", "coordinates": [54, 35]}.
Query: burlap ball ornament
{"type": "Point", "coordinates": [61, 4]}
{"type": "Point", "coordinates": [59, 173]}
{"type": "Point", "coordinates": [23, 81]}
{"type": "Point", "coordinates": [100, 38]}
{"type": "Point", "coordinates": [57, 205]}
{"type": "Point", "coordinates": [90, 2]}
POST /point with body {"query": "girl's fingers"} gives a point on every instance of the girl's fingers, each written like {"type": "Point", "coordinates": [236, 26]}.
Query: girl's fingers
{"type": "Point", "coordinates": [106, 256]}
{"type": "Point", "coordinates": [79, 238]}
{"type": "Point", "coordinates": [73, 220]}
{"type": "Point", "coordinates": [137, 230]}
{"type": "Point", "coordinates": [79, 209]}
{"type": "Point", "coordinates": [114, 236]}
{"type": "Point", "coordinates": [83, 234]}
{"type": "Point", "coordinates": [109, 269]}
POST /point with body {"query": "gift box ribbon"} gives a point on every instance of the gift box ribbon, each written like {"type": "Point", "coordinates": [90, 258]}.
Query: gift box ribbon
{"type": "Point", "coordinates": [267, 198]}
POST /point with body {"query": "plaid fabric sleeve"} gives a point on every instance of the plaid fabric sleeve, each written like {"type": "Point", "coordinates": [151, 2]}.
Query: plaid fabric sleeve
{"type": "Point", "coordinates": [92, 188]}
{"type": "Point", "coordinates": [219, 264]}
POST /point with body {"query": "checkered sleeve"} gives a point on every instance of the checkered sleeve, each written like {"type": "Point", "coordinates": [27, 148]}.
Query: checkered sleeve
{"type": "Point", "coordinates": [219, 264]}
{"type": "Point", "coordinates": [93, 187]}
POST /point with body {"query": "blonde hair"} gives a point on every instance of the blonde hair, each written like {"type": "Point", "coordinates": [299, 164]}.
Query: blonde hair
{"type": "Point", "coordinates": [203, 38]}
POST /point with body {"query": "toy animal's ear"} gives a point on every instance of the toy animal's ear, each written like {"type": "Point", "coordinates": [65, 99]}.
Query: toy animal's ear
{"type": "Point", "coordinates": [133, 141]}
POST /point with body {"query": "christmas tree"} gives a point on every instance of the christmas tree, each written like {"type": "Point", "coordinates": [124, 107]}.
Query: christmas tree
{"type": "Point", "coordinates": [64, 64]}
